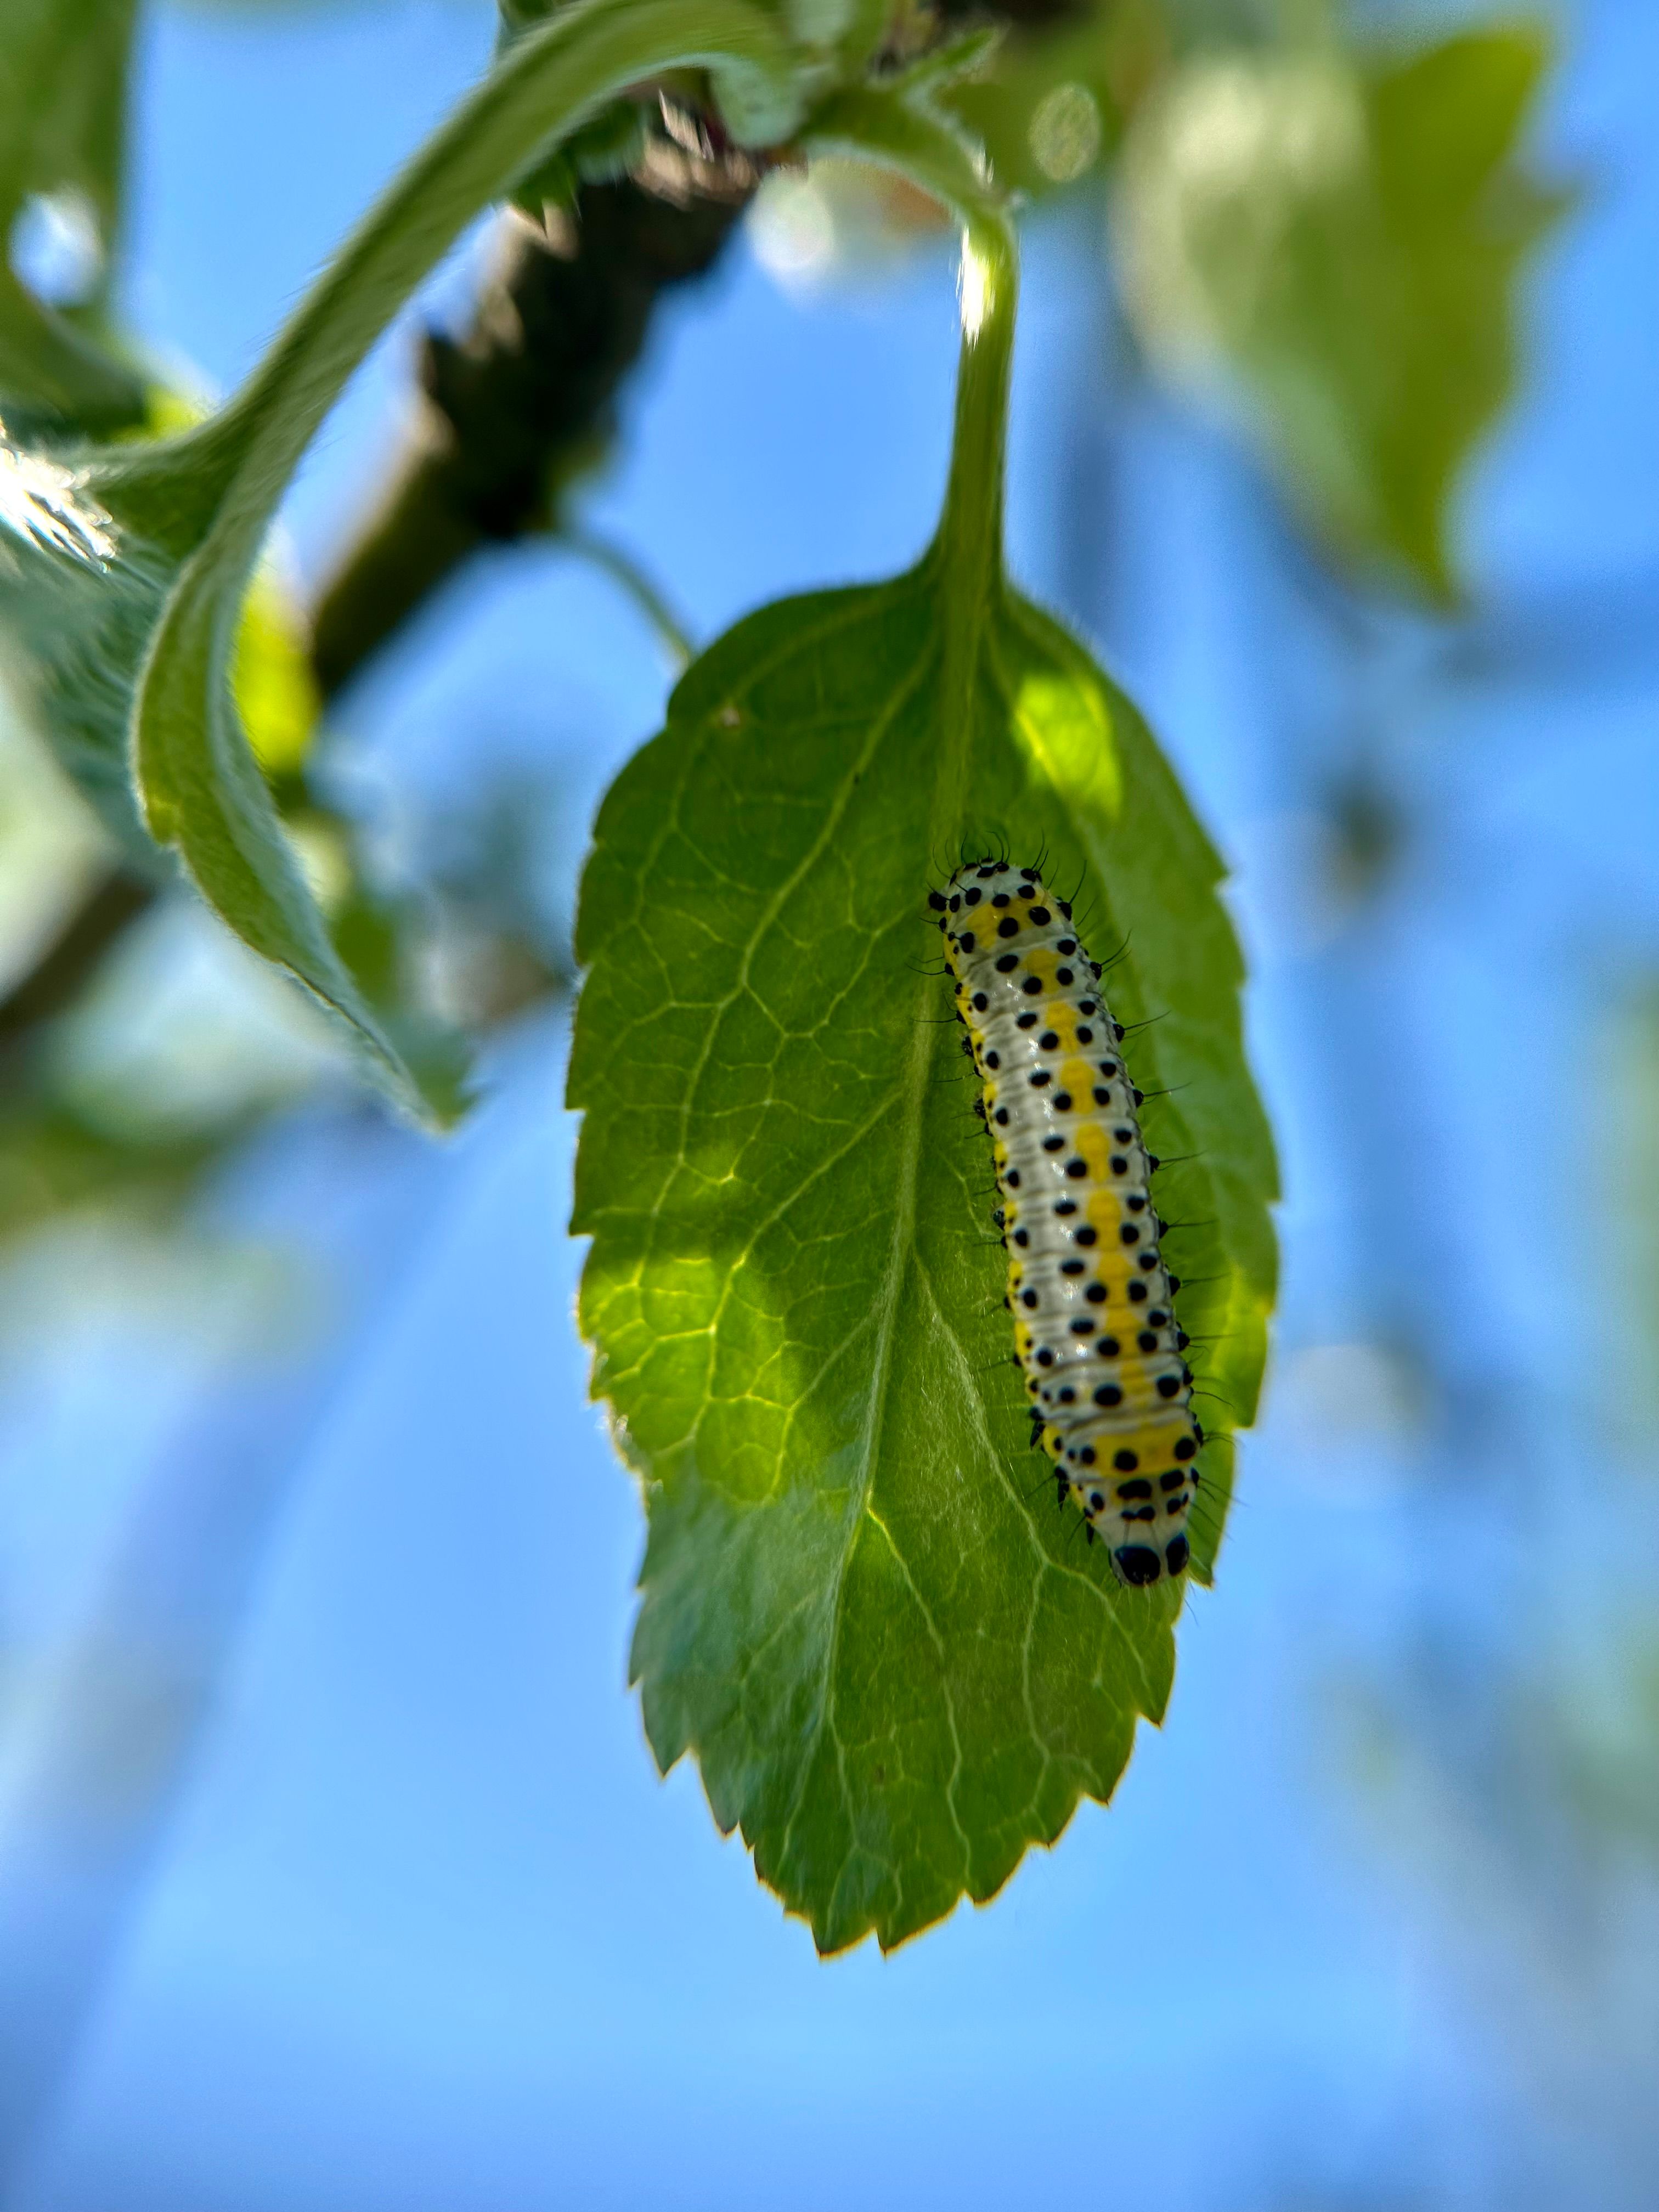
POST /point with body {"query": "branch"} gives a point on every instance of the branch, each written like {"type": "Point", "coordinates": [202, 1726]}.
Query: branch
{"type": "Point", "coordinates": [516, 408]}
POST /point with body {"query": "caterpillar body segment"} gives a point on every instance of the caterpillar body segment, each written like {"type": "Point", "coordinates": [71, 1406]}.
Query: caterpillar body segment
{"type": "Point", "coordinates": [1094, 1329]}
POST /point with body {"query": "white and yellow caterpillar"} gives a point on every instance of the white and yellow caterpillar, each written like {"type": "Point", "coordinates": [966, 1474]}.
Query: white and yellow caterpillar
{"type": "Point", "coordinates": [1094, 1322]}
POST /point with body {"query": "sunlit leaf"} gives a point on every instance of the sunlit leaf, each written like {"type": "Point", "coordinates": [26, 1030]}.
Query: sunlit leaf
{"type": "Point", "coordinates": [1343, 244]}
{"type": "Point", "coordinates": [897, 1664]}
{"type": "Point", "coordinates": [43, 507]}
{"type": "Point", "coordinates": [271, 682]}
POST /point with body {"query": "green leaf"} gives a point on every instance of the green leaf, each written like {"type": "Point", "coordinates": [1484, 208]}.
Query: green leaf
{"type": "Point", "coordinates": [894, 1670]}
{"type": "Point", "coordinates": [131, 658]}
{"type": "Point", "coordinates": [1344, 243]}
{"type": "Point", "coordinates": [62, 92]}
{"type": "Point", "coordinates": [897, 1664]}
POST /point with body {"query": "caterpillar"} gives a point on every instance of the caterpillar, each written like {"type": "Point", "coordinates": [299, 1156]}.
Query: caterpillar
{"type": "Point", "coordinates": [1094, 1323]}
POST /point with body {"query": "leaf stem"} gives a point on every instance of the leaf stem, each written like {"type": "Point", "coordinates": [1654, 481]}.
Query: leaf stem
{"type": "Point", "coordinates": [970, 528]}
{"type": "Point", "coordinates": [964, 562]}
{"type": "Point", "coordinates": [907, 134]}
{"type": "Point", "coordinates": [606, 555]}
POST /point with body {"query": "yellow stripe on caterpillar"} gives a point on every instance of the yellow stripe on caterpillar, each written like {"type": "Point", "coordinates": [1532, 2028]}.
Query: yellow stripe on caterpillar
{"type": "Point", "coordinates": [1095, 1322]}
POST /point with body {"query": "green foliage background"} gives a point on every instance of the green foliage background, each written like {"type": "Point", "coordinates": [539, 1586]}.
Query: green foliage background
{"type": "Point", "coordinates": [1343, 235]}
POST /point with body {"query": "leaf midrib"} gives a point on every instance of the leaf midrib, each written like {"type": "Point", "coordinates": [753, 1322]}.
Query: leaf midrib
{"type": "Point", "coordinates": [775, 906]}
{"type": "Point", "coordinates": [947, 782]}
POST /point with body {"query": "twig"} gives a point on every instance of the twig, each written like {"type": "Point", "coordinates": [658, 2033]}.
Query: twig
{"type": "Point", "coordinates": [523, 403]}
{"type": "Point", "coordinates": [625, 572]}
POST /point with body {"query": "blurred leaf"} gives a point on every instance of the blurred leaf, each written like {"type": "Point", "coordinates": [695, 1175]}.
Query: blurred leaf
{"type": "Point", "coordinates": [53, 1162]}
{"type": "Point", "coordinates": [378, 936]}
{"type": "Point", "coordinates": [733, 66]}
{"type": "Point", "coordinates": [1602, 1729]}
{"type": "Point", "coordinates": [271, 682]}
{"type": "Point", "coordinates": [958, 58]}
{"type": "Point", "coordinates": [894, 1662]}
{"type": "Point", "coordinates": [63, 99]}
{"type": "Point", "coordinates": [1626, 1145]}
{"type": "Point", "coordinates": [78, 621]}
{"type": "Point", "coordinates": [1346, 241]}
{"type": "Point", "coordinates": [143, 639]}
{"type": "Point", "coordinates": [1049, 104]}
{"type": "Point", "coordinates": [255, 9]}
